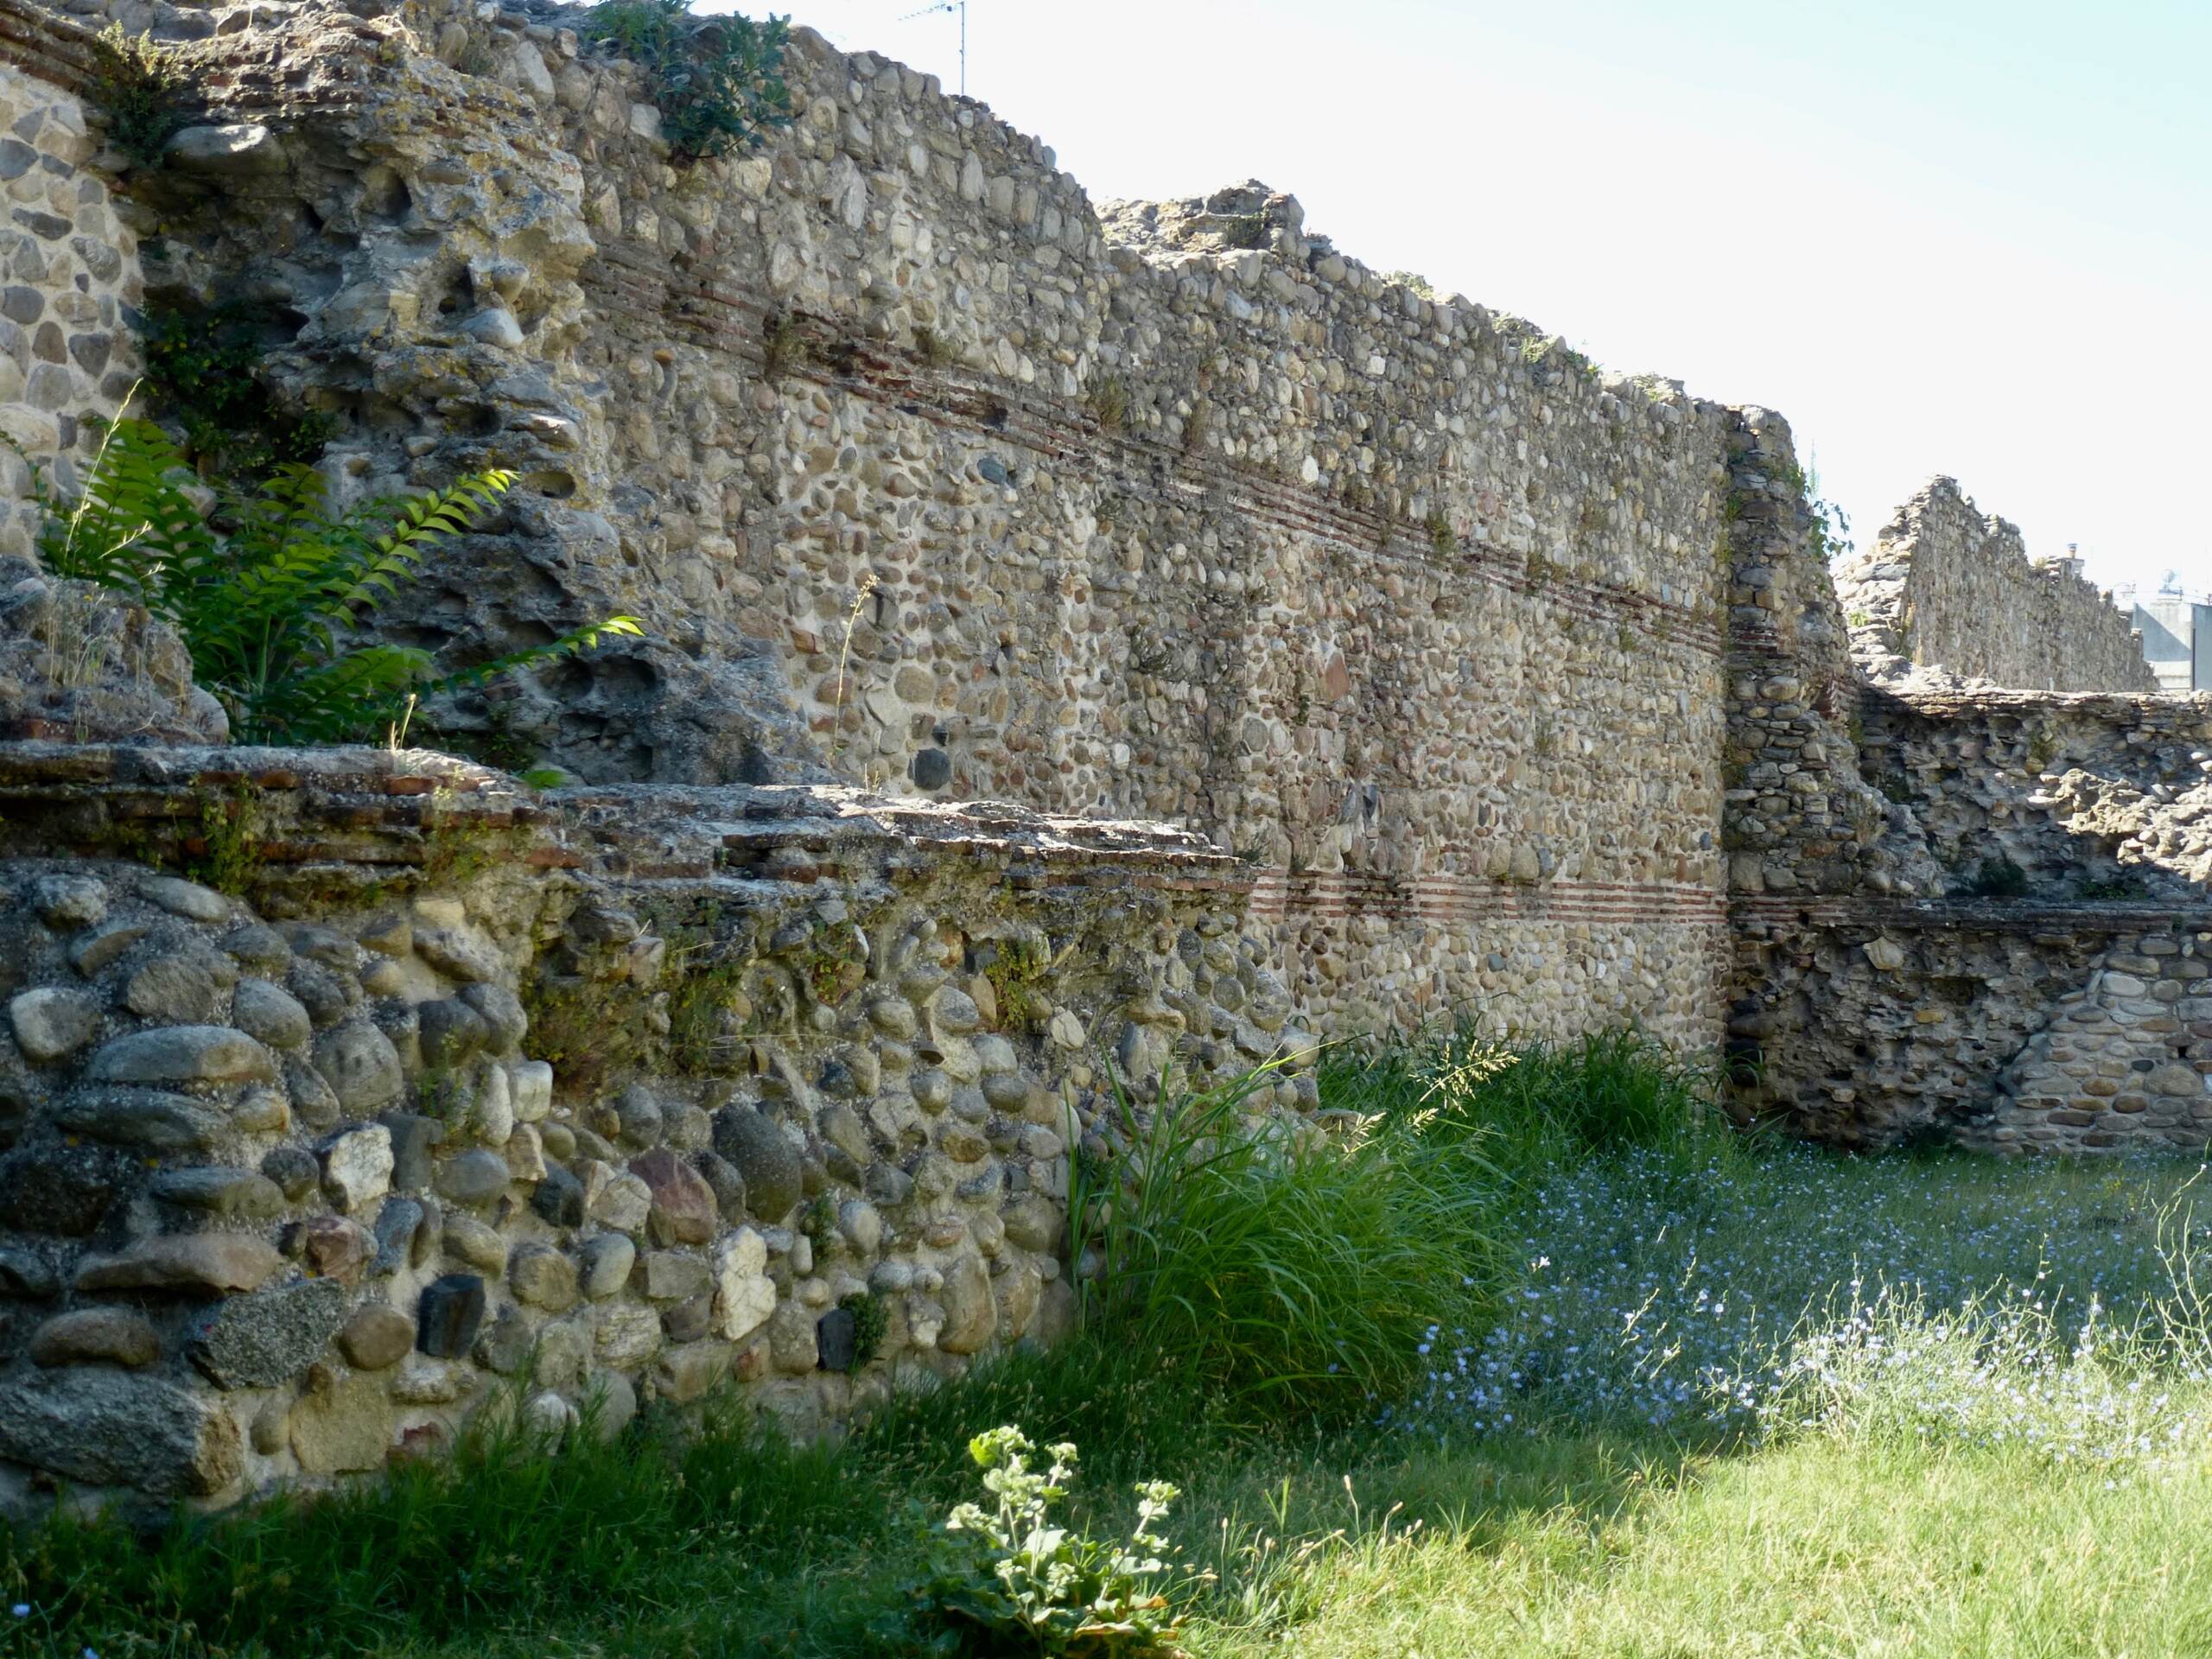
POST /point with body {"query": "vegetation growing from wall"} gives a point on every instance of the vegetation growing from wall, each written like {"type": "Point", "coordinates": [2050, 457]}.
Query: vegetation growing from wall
{"type": "Point", "coordinates": [1282, 1265]}
{"type": "Point", "coordinates": [1996, 877]}
{"type": "Point", "coordinates": [270, 592]}
{"type": "Point", "coordinates": [205, 372]}
{"type": "Point", "coordinates": [140, 88]}
{"type": "Point", "coordinates": [718, 83]}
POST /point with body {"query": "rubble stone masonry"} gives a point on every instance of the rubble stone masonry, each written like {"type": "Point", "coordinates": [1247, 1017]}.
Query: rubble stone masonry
{"type": "Point", "coordinates": [1080, 641]}
{"type": "Point", "coordinates": [1943, 587]}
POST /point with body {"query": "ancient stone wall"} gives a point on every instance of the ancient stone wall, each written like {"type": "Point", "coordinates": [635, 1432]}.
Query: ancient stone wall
{"type": "Point", "coordinates": [69, 276]}
{"type": "Point", "coordinates": [2047, 947]}
{"type": "Point", "coordinates": [1944, 588]}
{"type": "Point", "coordinates": [924, 475]}
{"type": "Point", "coordinates": [337, 1089]}
{"type": "Point", "coordinates": [764, 1087]}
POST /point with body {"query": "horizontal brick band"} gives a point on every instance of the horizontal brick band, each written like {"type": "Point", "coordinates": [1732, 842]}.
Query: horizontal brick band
{"type": "Point", "coordinates": [1279, 895]}
{"type": "Point", "coordinates": [1982, 915]}
{"type": "Point", "coordinates": [731, 322]}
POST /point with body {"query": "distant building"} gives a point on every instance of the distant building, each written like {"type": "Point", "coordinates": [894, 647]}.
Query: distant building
{"type": "Point", "coordinates": [2177, 630]}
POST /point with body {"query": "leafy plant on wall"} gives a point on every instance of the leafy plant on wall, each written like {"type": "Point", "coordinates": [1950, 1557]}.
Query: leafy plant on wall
{"type": "Point", "coordinates": [718, 82]}
{"type": "Point", "coordinates": [140, 88]}
{"type": "Point", "coordinates": [205, 373]}
{"type": "Point", "coordinates": [271, 591]}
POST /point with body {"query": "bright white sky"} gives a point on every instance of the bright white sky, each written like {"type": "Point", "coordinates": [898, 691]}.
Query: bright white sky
{"type": "Point", "coordinates": [1962, 236]}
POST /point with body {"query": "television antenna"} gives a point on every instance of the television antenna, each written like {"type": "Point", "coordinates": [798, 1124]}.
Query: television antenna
{"type": "Point", "coordinates": [960, 6]}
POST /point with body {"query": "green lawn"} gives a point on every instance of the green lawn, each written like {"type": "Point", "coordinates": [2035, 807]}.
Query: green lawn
{"type": "Point", "coordinates": [1707, 1400]}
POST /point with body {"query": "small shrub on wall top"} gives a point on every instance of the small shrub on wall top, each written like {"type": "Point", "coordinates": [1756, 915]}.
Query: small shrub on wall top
{"type": "Point", "coordinates": [718, 82]}
{"type": "Point", "coordinates": [269, 591]}
{"type": "Point", "coordinates": [140, 88]}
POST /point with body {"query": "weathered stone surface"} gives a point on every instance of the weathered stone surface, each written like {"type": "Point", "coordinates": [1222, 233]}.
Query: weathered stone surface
{"type": "Point", "coordinates": [530, 1083]}
{"type": "Point", "coordinates": [199, 1263]}
{"type": "Point", "coordinates": [687, 1372]}
{"type": "Point", "coordinates": [745, 1295]}
{"type": "Point", "coordinates": [185, 899]}
{"type": "Point", "coordinates": [362, 1068]}
{"type": "Point", "coordinates": [449, 1314]}
{"type": "Point", "coordinates": [294, 1170]}
{"type": "Point", "coordinates": [452, 1033]}
{"type": "Point", "coordinates": [672, 1275]}
{"type": "Point", "coordinates": [502, 1013]}
{"type": "Point", "coordinates": [269, 1014]}
{"type": "Point", "coordinates": [105, 946]}
{"type": "Point", "coordinates": [970, 1313]}
{"type": "Point", "coordinates": [112, 1427]}
{"type": "Point", "coordinates": [774, 1177]}
{"type": "Point", "coordinates": [240, 1194]}
{"type": "Point", "coordinates": [376, 1337]}
{"type": "Point", "coordinates": [559, 1199]}
{"type": "Point", "coordinates": [182, 1054]}
{"type": "Point", "coordinates": [67, 901]}
{"type": "Point", "coordinates": [414, 1140]}
{"type": "Point", "coordinates": [257, 1342]}
{"type": "Point", "coordinates": [357, 1165]}
{"type": "Point", "coordinates": [153, 1120]}
{"type": "Point", "coordinates": [791, 1343]}
{"type": "Point", "coordinates": [623, 1204]}
{"type": "Point", "coordinates": [543, 1277]}
{"type": "Point", "coordinates": [341, 1427]}
{"type": "Point", "coordinates": [683, 1210]}
{"type": "Point", "coordinates": [458, 954]}
{"type": "Point", "coordinates": [627, 1335]}
{"type": "Point", "coordinates": [504, 1346]}
{"type": "Point", "coordinates": [335, 1247]}
{"type": "Point", "coordinates": [1034, 1222]}
{"type": "Point", "coordinates": [608, 1260]}
{"type": "Point", "coordinates": [834, 1336]}
{"type": "Point", "coordinates": [90, 1336]}
{"type": "Point", "coordinates": [176, 990]}
{"type": "Point", "coordinates": [52, 1022]}
{"type": "Point", "coordinates": [405, 1237]}
{"type": "Point", "coordinates": [473, 1241]}
{"type": "Point", "coordinates": [474, 1177]}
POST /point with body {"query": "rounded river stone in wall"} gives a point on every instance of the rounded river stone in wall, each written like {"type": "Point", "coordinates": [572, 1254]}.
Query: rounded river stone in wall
{"type": "Point", "coordinates": [931, 769]}
{"type": "Point", "coordinates": [774, 1177]}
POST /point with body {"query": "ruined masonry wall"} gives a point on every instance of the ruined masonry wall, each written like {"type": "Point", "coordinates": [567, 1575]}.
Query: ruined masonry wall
{"type": "Point", "coordinates": [2055, 1010]}
{"type": "Point", "coordinates": [1397, 600]}
{"type": "Point", "coordinates": [762, 1088]}
{"type": "Point", "coordinates": [1944, 588]}
{"type": "Point", "coordinates": [68, 271]}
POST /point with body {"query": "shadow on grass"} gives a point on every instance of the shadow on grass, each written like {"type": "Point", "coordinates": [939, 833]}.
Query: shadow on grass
{"type": "Point", "coordinates": [735, 1539]}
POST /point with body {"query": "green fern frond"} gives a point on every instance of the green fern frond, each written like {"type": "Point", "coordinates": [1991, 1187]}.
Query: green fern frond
{"type": "Point", "coordinates": [271, 607]}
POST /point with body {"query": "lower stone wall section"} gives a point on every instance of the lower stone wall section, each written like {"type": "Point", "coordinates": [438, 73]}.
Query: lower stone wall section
{"type": "Point", "coordinates": [1883, 1023]}
{"type": "Point", "coordinates": [2126, 1060]}
{"type": "Point", "coordinates": [1367, 953]}
{"type": "Point", "coordinates": [412, 1086]}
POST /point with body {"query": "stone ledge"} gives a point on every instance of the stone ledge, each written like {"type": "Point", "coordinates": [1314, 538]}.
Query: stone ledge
{"type": "Point", "coordinates": [383, 808]}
